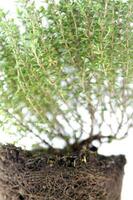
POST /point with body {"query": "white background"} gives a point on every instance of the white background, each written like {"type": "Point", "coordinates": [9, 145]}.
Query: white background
{"type": "Point", "coordinates": [117, 147]}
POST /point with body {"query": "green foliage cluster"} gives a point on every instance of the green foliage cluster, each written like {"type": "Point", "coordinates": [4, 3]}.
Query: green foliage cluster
{"type": "Point", "coordinates": [65, 64]}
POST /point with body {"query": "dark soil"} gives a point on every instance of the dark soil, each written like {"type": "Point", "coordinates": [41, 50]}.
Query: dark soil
{"type": "Point", "coordinates": [41, 175]}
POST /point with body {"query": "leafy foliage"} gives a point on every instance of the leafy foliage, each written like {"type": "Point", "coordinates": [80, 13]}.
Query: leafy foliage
{"type": "Point", "coordinates": [66, 69]}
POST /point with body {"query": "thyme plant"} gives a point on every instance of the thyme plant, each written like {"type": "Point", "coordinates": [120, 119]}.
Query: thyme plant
{"type": "Point", "coordinates": [66, 70]}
